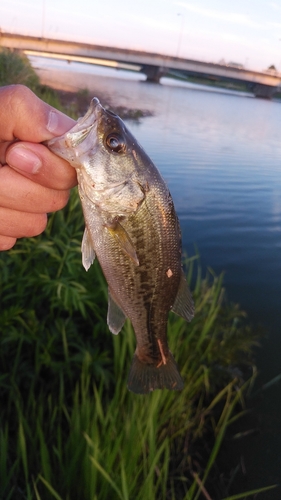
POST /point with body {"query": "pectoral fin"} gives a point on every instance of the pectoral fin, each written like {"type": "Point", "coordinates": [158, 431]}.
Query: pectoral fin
{"type": "Point", "coordinates": [119, 233]}
{"type": "Point", "coordinates": [88, 254]}
{"type": "Point", "coordinates": [183, 305]}
{"type": "Point", "coordinates": [115, 316]}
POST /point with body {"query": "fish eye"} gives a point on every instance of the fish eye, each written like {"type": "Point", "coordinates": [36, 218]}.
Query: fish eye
{"type": "Point", "coordinates": [115, 143]}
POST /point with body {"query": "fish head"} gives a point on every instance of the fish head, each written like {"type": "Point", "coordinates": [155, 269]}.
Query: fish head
{"type": "Point", "coordinates": [113, 171]}
{"type": "Point", "coordinates": [96, 143]}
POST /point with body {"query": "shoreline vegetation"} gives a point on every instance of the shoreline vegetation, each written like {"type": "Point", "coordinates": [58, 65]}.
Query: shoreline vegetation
{"type": "Point", "coordinates": [69, 428]}
{"type": "Point", "coordinates": [220, 84]}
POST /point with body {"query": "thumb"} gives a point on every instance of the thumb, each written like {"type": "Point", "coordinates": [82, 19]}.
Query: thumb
{"type": "Point", "coordinates": [26, 117]}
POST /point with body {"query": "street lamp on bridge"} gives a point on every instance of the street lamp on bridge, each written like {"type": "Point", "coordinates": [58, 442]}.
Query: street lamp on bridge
{"type": "Point", "coordinates": [180, 34]}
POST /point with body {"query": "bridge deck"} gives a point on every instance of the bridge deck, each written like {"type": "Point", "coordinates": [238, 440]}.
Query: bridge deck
{"type": "Point", "coordinates": [144, 60]}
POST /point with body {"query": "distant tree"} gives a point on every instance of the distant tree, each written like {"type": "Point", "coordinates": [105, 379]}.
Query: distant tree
{"type": "Point", "coordinates": [272, 67]}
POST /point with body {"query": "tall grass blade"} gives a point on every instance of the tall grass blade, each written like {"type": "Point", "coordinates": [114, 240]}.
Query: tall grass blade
{"type": "Point", "coordinates": [246, 494]}
{"type": "Point", "coordinates": [107, 477]}
{"type": "Point", "coordinates": [50, 488]}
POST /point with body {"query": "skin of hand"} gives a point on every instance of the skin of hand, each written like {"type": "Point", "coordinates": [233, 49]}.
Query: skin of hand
{"type": "Point", "coordinates": [33, 181]}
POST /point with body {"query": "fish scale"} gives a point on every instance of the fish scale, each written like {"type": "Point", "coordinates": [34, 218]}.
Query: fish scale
{"type": "Point", "coordinates": [133, 229]}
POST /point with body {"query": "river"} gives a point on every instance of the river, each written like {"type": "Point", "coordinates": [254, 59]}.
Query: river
{"type": "Point", "coordinates": [220, 154]}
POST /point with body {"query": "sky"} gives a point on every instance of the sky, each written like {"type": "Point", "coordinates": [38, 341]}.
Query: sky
{"type": "Point", "coordinates": [242, 31]}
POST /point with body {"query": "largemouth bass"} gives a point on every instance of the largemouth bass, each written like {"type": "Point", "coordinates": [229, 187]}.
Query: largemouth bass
{"type": "Point", "coordinates": [132, 227]}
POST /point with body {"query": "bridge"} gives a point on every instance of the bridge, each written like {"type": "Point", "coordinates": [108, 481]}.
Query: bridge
{"type": "Point", "coordinates": [262, 84]}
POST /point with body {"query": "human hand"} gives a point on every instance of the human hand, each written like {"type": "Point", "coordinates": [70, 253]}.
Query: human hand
{"type": "Point", "coordinates": [33, 181]}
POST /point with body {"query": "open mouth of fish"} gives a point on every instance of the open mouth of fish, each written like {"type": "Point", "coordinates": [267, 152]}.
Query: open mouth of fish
{"type": "Point", "coordinates": [74, 143]}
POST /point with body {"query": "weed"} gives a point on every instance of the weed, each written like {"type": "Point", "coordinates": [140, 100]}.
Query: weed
{"type": "Point", "coordinates": [70, 429]}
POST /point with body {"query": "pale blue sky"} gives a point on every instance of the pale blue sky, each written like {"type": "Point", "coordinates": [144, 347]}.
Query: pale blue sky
{"type": "Point", "coordinates": [244, 31]}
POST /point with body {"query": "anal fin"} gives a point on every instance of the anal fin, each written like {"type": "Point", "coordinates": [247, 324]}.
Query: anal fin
{"type": "Point", "coordinates": [184, 305]}
{"type": "Point", "coordinates": [88, 253]}
{"type": "Point", "coordinates": [115, 316]}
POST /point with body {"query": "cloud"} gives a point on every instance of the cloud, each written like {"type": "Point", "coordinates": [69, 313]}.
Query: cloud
{"type": "Point", "coordinates": [275, 25]}
{"type": "Point", "coordinates": [275, 6]}
{"type": "Point", "coordinates": [230, 17]}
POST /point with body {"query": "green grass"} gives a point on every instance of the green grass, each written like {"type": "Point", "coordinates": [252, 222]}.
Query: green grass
{"type": "Point", "coordinates": [69, 428]}
{"type": "Point", "coordinates": [15, 68]}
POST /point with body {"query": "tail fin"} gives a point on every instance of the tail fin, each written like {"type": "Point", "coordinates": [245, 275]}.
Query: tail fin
{"type": "Point", "coordinates": [144, 378]}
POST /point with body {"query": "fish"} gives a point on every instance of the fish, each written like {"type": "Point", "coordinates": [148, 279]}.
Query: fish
{"type": "Point", "coordinates": [131, 226]}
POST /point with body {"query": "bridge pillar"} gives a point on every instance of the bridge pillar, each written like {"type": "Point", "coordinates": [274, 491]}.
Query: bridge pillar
{"type": "Point", "coordinates": [263, 91]}
{"type": "Point", "coordinates": [153, 73]}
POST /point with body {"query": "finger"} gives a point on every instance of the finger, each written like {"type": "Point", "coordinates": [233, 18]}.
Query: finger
{"type": "Point", "coordinates": [26, 117]}
{"type": "Point", "coordinates": [36, 162]}
{"type": "Point", "coordinates": [3, 149]}
{"type": "Point", "coordinates": [18, 192]}
{"type": "Point", "coordinates": [6, 243]}
{"type": "Point", "coordinates": [14, 224]}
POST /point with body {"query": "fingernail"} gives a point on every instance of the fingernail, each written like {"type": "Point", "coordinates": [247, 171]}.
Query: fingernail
{"type": "Point", "coordinates": [59, 123]}
{"type": "Point", "coordinates": [24, 159]}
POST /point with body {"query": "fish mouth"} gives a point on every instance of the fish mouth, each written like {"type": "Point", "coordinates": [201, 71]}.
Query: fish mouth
{"type": "Point", "coordinates": [94, 113]}
{"type": "Point", "coordinates": [95, 109]}
{"type": "Point", "coordinates": [110, 112]}
{"type": "Point", "coordinates": [85, 122]}
{"type": "Point", "coordinates": [85, 134]}
{"type": "Point", "coordinates": [74, 137]}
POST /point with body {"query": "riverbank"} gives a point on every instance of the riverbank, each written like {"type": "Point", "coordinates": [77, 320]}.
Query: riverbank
{"type": "Point", "coordinates": [76, 89]}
